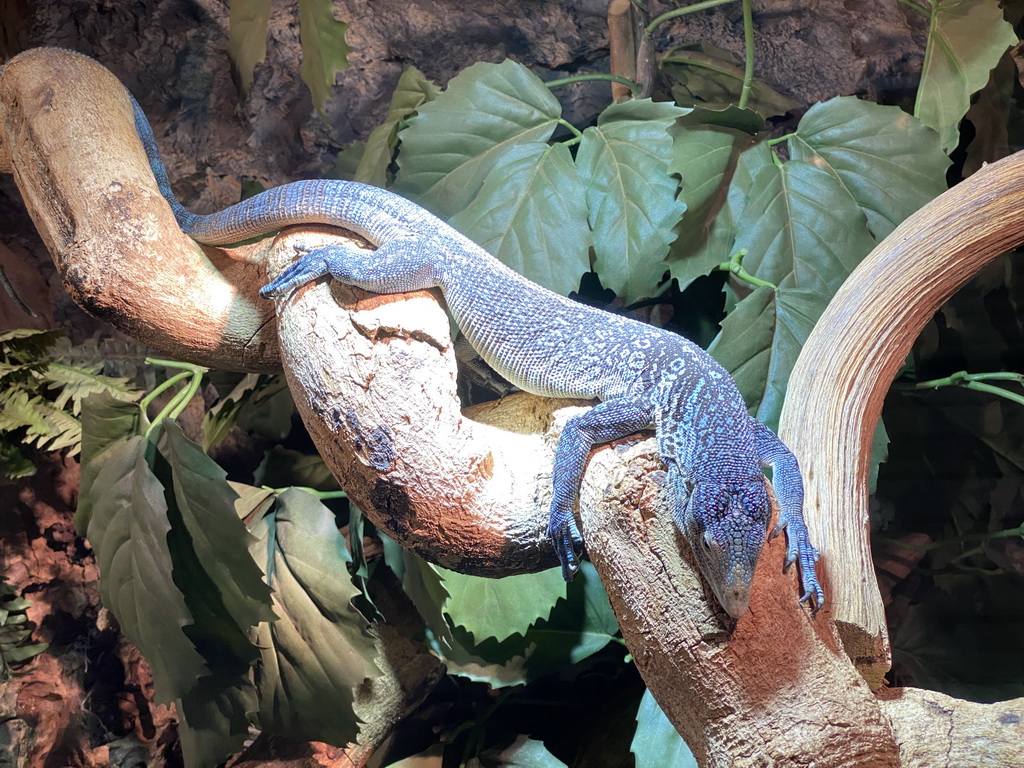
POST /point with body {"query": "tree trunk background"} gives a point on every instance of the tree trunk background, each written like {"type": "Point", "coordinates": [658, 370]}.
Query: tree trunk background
{"type": "Point", "coordinates": [91, 686]}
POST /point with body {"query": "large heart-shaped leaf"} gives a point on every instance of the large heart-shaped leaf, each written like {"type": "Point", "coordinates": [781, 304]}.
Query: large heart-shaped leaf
{"type": "Point", "coordinates": [452, 144]}
{"type": "Point", "coordinates": [760, 341]}
{"type": "Point", "coordinates": [696, 253]}
{"type": "Point", "coordinates": [965, 40]}
{"type": "Point", "coordinates": [704, 145]}
{"type": "Point", "coordinates": [531, 215]}
{"type": "Point", "coordinates": [623, 162]}
{"type": "Point", "coordinates": [889, 162]}
{"type": "Point", "coordinates": [500, 608]}
{"type": "Point", "coordinates": [800, 228]}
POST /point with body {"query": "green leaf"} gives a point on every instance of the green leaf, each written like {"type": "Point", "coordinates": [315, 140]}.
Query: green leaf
{"type": "Point", "coordinates": [20, 410]}
{"type": "Point", "coordinates": [759, 344]}
{"type": "Point", "coordinates": [500, 608]}
{"type": "Point", "coordinates": [46, 427]}
{"type": "Point", "coordinates": [531, 215]}
{"type": "Point", "coordinates": [623, 162]}
{"type": "Point", "coordinates": [705, 74]}
{"type": "Point", "coordinates": [423, 583]}
{"type": "Point", "coordinates": [801, 229]}
{"type": "Point", "coordinates": [965, 40]}
{"type": "Point", "coordinates": [247, 40]}
{"type": "Point", "coordinates": [13, 465]}
{"type": "Point", "coordinates": [413, 90]}
{"type": "Point", "coordinates": [701, 155]}
{"type": "Point", "coordinates": [704, 146]}
{"type": "Point", "coordinates": [259, 402]}
{"type": "Point", "coordinates": [696, 253]}
{"type": "Point", "coordinates": [62, 430]}
{"type": "Point", "coordinates": [578, 627]}
{"type": "Point", "coordinates": [324, 50]}
{"type": "Point", "coordinates": [106, 422]}
{"type": "Point", "coordinates": [282, 467]}
{"type": "Point", "coordinates": [25, 345]}
{"type": "Point", "coordinates": [347, 161]}
{"type": "Point", "coordinates": [207, 506]}
{"type": "Point", "coordinates": [128, 531]}
{"type": "Point", "coordinates": [890, 163]}
{"type": "Point", "coordinates": [318, 651]}
{"type": "Point", "coordinates": [524, 752]}
{"type": "Point", "coordinates": [214, 721]}
{"type": "Point", "coordinates": [452, 144]}
{"type": "Point", "coordinates": [656, 741]}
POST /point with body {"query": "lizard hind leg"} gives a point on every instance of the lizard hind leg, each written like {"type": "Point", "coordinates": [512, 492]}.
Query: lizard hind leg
{"type": "Point", "coordinates": [396, 267]}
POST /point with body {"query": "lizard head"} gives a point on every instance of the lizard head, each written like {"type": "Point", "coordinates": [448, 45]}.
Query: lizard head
{"type": "Point", "coordinates": [726, 524]}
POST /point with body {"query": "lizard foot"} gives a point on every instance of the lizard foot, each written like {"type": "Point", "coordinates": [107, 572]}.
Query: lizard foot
{"type": "Point", "coordinates": [801, 551]}
{"type": "Point", "coordinates": [312, 263]}
{"type": "Point", "coordinates": [566, 538]}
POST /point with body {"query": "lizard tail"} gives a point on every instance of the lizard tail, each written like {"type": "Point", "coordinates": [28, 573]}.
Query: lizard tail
{"type": "Point", "coordinates": [373, 213]}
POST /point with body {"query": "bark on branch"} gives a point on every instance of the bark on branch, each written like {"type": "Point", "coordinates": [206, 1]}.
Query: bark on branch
{"type": "Point", "coordinates": [374, 379]}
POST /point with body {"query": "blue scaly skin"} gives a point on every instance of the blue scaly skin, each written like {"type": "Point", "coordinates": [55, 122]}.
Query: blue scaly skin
{"type": "Point", "coordinates": [549, 345]}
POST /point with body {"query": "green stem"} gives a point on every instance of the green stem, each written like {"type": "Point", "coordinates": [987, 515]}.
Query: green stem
{"type": "Point", "coordinates": [780, 139]}
{"type": "Point", "coordinates": [977, 386]}
{"type": "Point", "coordinates": [975, 381]}
{"type": "Point", "coordinates": [917, 7]}
{"type": "Point", "coordinates": [180, 400]}
{"type": "Point", "coordinates": [633, 87]}
{"type": "Point", "coordinates": [322, 495]}
{"type": "Point", "coordinates": [667, 16]}
{"type": "Point", "coordinates": [735, 266]}
{"type": "Point", "coordinates": [160, 389]}
{"type": "Point", "coordinates": [575, 131]}
{"type": "Point", "coordinates": [748, 52]}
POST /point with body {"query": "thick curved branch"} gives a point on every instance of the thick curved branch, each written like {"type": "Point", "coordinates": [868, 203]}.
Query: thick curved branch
{"type": "Point", "coordinates": [839, 383]}
{"type": "Point", "coordinates": [67, 135]}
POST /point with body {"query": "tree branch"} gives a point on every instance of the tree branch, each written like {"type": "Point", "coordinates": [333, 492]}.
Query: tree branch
{"type": "Point", "coordinates": [839, 383]}
{"type": "Point", "coordinates": [67, 135]}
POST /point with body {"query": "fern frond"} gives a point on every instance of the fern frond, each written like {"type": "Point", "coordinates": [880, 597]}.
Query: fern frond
{"type": "Point", "coordinates": [63, 431]}
{"type": "Point", "coordinates": [75, 383]}
{"type": "Point", "coordinates": [13, 464]}
{"type": "Point", "coordinates": [19, 409]}
{"type": "Point", "coordinates": [25, 345]}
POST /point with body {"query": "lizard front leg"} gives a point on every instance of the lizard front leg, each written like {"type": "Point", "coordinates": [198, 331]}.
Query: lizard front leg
{"type": "Point", "coordinates": [789, 492]}
{"type": "Point", "coordinates": [608, 420]}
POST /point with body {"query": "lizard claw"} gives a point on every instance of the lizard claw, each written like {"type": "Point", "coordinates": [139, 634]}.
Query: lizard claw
{"type": "Point", "coordinates": [310, 265]}
{"type": "Point", "coordinates": [802, 552]}
{"type": "Point", "coordinates": [566, 538]}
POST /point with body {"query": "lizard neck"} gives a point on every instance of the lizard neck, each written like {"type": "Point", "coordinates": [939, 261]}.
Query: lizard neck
{"type": "Point", "coordinates": [702, 424]}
